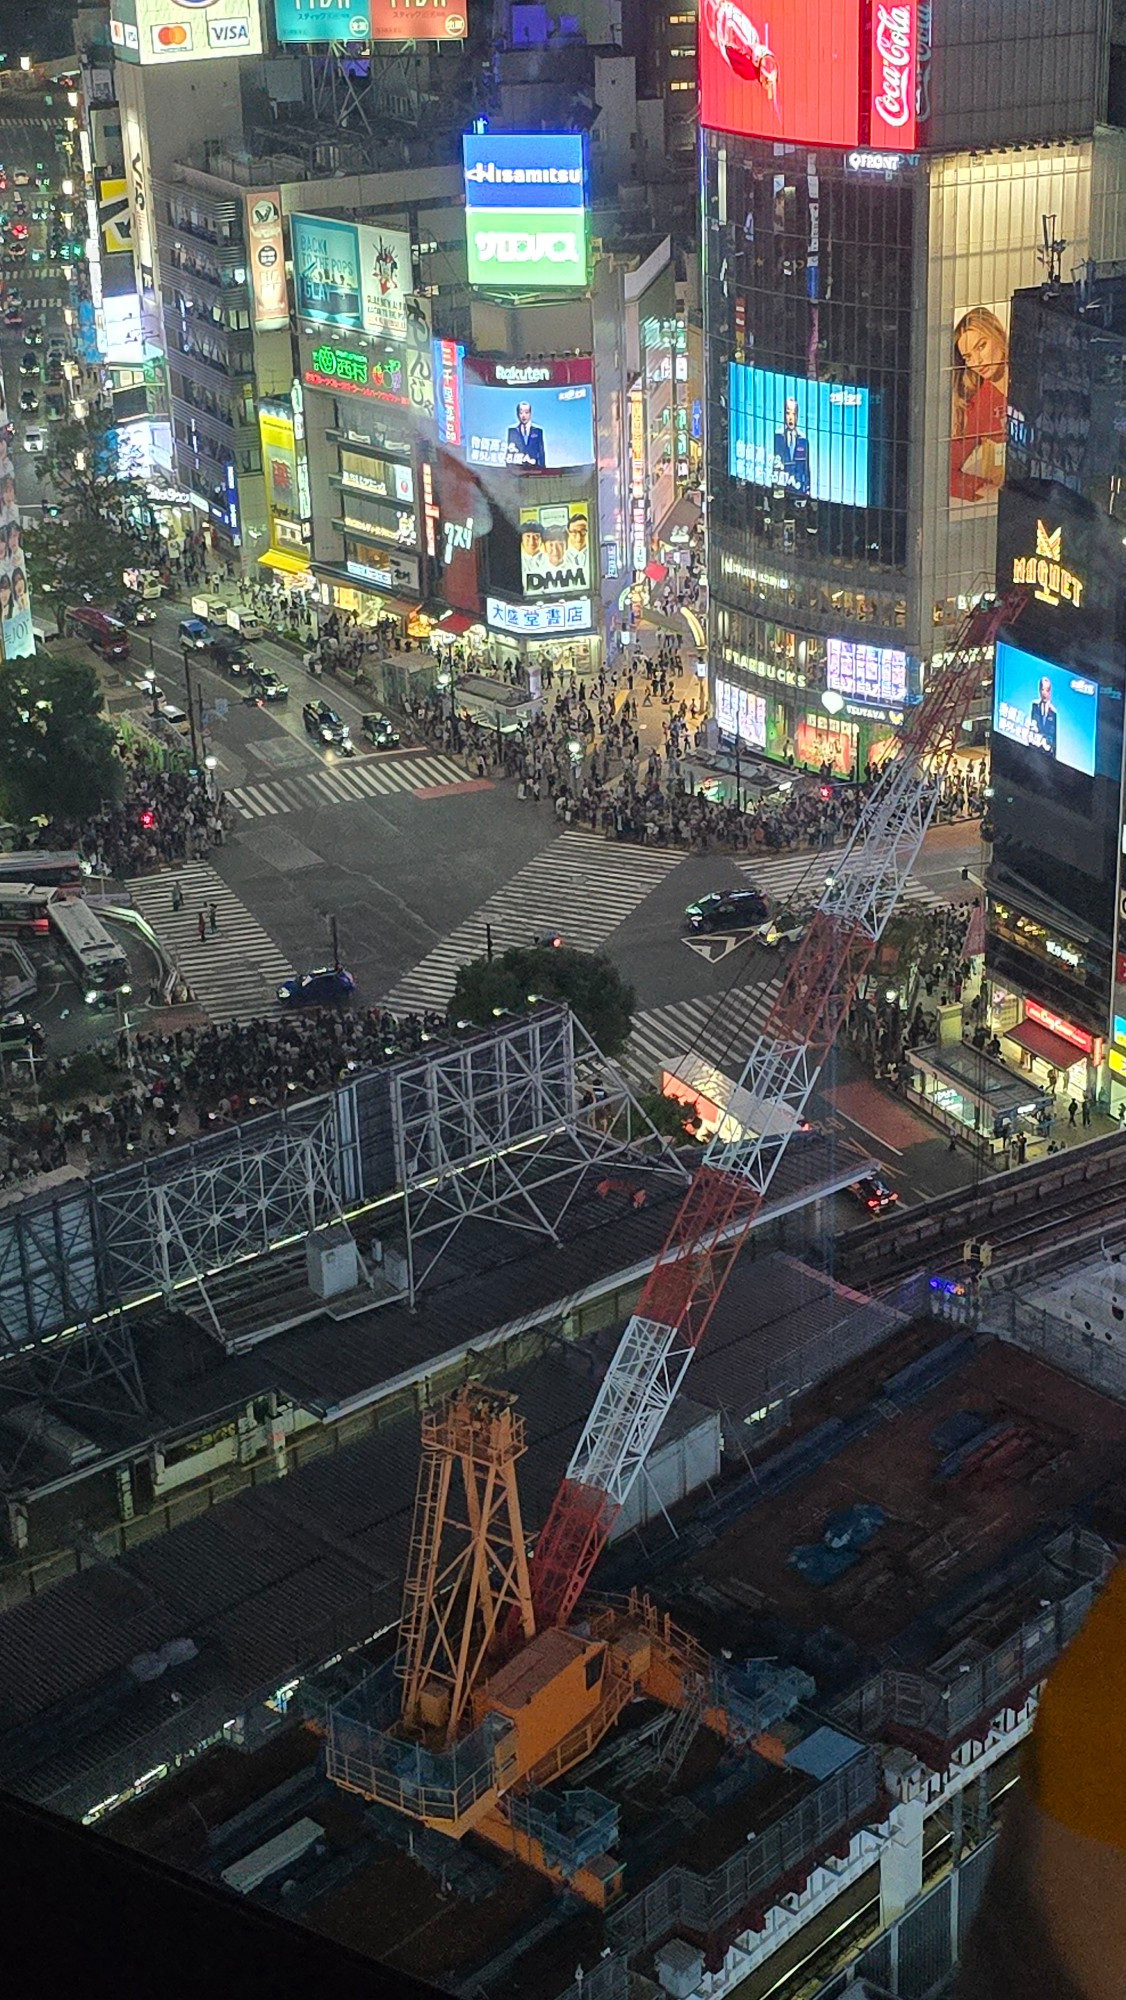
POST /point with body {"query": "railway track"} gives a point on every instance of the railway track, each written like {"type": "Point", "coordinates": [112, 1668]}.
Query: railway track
{"type": "Point", "coordinates": [1021, 1214]}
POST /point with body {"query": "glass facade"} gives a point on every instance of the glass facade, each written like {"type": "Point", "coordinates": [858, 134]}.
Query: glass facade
{"type": "Point", "coordinates": [857, 336]}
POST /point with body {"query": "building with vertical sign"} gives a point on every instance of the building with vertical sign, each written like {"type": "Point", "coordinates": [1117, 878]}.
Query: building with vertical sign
{"type": "Point", "coordinates": [877, 182]}
{"type": "Point", "coordinates": [1056, 879]}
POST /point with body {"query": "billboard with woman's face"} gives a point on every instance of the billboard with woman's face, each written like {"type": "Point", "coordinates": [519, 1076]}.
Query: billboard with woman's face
{"type": "Point", "coordinates": [979, 403]}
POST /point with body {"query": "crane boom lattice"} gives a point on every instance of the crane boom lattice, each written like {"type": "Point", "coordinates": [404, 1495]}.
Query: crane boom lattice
{"type": "Point", "coordinates": [777, 1080]}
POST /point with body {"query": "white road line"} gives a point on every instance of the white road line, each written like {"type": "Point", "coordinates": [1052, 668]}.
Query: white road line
{"type": "Point", "coordinates": [336, 786]}
{"type": "Point", "coordinates": [580, 883]}
{"type": "Point", "coordinates": [233, 970]}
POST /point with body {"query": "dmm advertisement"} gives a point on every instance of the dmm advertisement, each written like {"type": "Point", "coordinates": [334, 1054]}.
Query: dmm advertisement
{"type": "Point", "coordinates": [371, 20]}
{"type": "Point", "coordinates": [810, 438]}
{"type": "Point", "coordinates": [1052, 710]}
{"type": "Point", "coordinates": [528, 416]}
{"type": "Point", "coordinates": [168, 31]}
{"type": "Point", "coordinates": [555, 548]}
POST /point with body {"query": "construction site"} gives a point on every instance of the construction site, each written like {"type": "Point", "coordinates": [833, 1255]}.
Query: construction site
{"type": "Point", "coordinates": [460, 1521]}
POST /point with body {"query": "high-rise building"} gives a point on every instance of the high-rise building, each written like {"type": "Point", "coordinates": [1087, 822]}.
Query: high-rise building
{"type": "Point", "coordinates": [876, 184]}
{"type": "Point", "coordinates": [1056, 937]}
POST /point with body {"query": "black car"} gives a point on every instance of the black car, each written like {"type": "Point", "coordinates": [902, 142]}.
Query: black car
{"type": "Point", "coordinates": [380, 732]}
{"type": "Point", "coordinates": [229, 654]}
{"type": "Point", "coordinates": [29, 363]}
{"type": "Point", "coordinates": [727, 910]}
{"type": "Point", "coordinates": [265, 685]}
{"type": "Point", "coordinates": [134, 611]}
{"type": "Point", "coordinates": [872, 1193]}
{"type": "Point", "coordinates": [29, 402]}
{"type": "Point", "coordinates": [323, 722]}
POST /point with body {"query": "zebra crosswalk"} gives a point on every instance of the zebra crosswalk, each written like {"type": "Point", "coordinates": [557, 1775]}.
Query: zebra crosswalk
{"type": "Point", "coordinates": [340, 785]}
{"type": "Point", "coordinates": [582, 884]}
{"type": "Point", "coordinates": [720, 1028]}
{"type": "Point", "coordinates": [233, 970]}
{"type": "Point", "coordinates": [802, 877]}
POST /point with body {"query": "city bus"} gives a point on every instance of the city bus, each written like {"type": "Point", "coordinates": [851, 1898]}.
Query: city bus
{"type": "Point", "coordinates": [100, 964]}
{"type": "Point", "coordinates": [67, 872]}
{"type": "Point", "coordinates": [23, 908]}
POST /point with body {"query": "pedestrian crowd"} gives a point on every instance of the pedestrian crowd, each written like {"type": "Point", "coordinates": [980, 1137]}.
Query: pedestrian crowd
{"type": "Point", "coordinates": [163, 817]}
{"type": "Point", "coordinates": [198, 1080]}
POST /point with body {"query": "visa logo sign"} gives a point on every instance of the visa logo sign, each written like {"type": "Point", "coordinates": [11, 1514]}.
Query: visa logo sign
{"type": "Point", "coordinates": [228, 34]}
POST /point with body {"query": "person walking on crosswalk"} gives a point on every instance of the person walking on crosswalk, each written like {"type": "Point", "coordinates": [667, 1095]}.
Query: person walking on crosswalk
{"type": "Point", "coordinates": [202, 921]}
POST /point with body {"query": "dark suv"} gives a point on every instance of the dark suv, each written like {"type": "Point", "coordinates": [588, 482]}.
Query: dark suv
{"type": "Point", "coordinates": [727, 910]}
{"type": "Point", "coordinates": [323, 722]}
{"type": "Point", "coordinates": [229, 654]}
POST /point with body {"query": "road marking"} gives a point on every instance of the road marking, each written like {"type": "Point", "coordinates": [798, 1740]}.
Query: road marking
{"type": "Point", "coordinates": [424, 773]}
{"type": "Point", "coordinates": [233, 971]}
{"type": "Point", "coordinates": [581, 882]}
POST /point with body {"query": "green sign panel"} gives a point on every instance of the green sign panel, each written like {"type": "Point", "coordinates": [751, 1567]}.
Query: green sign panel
{"type": "Point", "coordinates": [527, 249]}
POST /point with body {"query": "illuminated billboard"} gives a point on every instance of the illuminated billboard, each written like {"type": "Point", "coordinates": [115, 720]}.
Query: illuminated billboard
{"type": "Point", "coordinates": [352, 275]}
{"type": "Point", "coordinates": [788, 72]}
{"type": "Point", "coordinates": [740, 713]}
{"type": "Point", "coordinates": [866, 673]}
{"type": "Point", "coordinates": [113, 217]}
{"type": "Point", "coordinates": [528, 416]}
{"type": "Point", "coordinates": [171, 31]}
{"type": "Point", "coordinates": [371, 20]}
{"type": "Point", "coordinates": [526, 210]}
{"type": "Point", "coordinates": [539, 621]}
{"type": "Point", "coordinates": [1051, 710]}
{"type": "Point", "coordinates": [555, 548]}
{"type": "Point", "coordinates": [266, 245]}
{"type": "Point", "coordinates": [811, 439]}
{"type": "Point", "coordinates": [17, 638]}
{"type": "Point", "coordinates": [815, 72]}
{"type": "Point", "coordinates": [352, 371]}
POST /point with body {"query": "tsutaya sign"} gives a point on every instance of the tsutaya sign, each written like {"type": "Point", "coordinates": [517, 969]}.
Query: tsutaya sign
{"type": "Point", "coordinates": [1053, 583]}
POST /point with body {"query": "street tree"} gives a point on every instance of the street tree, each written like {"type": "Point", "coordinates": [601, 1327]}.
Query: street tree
{"type": "Point", "coordinates": [589, 982]}
{"type": "Point", "coordinates": [57, 751]}
{"type": "Point", "coordinates": [91, 473]}
{"type": "Point", "coordinates": [76, 562]}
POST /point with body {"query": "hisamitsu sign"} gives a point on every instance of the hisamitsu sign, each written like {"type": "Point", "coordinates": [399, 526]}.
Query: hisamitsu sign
{"type": "Point", "coordinates": [526, 210]}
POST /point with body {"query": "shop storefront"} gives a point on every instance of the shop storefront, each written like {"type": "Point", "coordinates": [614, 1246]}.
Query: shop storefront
{"type": "Point", "coordinates": [1058, 1054]}
{"type": "Point", "coordinates": [530, 636]}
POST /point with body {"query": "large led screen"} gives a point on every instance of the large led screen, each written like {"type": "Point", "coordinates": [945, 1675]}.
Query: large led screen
{"type": "Point", "coordinates": [512, 420]}
{"type": "Point", "coordinates": [555, 548]}
{"type": "Point", "coordinates": [810, 438]}
{"type": "Point", "coordinates": [1051, 710]}
{"type": "Point", "coordinates": [370, 20]}
{"type": "Point", "coordinates": [782, 72]}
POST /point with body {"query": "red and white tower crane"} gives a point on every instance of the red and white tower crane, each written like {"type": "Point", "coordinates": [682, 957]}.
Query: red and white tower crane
{"type": "Point", "coordinates": [779, 1077]}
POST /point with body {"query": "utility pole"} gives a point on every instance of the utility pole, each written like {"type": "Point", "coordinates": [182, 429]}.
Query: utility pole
{"type": "Point", "coordinates": [489, 943]}
{"type": "Point", "coordinates": [335, 943]}
{"type": "Point", "coordinates": [191, 709]}
{"type": "Point", "coordinates": [738, 776]}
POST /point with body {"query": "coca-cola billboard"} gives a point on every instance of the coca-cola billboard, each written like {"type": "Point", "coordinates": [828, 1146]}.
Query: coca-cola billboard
{"type": "Point", "coordinates": [894, 75]}
{"type": "Point", "coordinates": [789, 72]}
{"type": "Point", "coordinates": [814, 72]}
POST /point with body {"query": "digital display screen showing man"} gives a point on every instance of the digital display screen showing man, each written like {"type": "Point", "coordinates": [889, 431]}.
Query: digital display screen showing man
{"type": "Point", "coordinates": [1051, 710]}
{"type": "Point", "coordinates": [544, 428]}
{"type": "Point", "coordinates": [810, 439]}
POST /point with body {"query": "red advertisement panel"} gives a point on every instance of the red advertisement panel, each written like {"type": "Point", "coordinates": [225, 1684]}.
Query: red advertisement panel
{"type": "Point", "coordinates": [894, 65]}
{"type": "Point", "coordinates": [782, 72]}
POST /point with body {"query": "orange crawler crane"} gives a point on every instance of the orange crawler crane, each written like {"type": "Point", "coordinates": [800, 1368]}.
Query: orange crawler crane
{"type": "Point", "coordinates": [503, 1683]}
{"type": "Point", "coordinates": [481, 1730]}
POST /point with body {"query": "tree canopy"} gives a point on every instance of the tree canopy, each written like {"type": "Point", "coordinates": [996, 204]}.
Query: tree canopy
{"type": "Point", "coordinates": [589, 982]}
{"type": "Point", "coordinates": [92, 473]}
{"type": "Point", "coordinates": [75, 562]}
{"type": "Point", "coordinates": [57, 752]}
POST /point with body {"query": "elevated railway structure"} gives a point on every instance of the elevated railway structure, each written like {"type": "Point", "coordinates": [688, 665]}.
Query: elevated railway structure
{"type": "Point", "coordinates": [1068, 1202]}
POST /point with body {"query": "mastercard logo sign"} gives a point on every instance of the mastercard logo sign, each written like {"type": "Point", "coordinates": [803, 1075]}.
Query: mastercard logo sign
{"type": "Point", "coordinates": [174, 36]}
